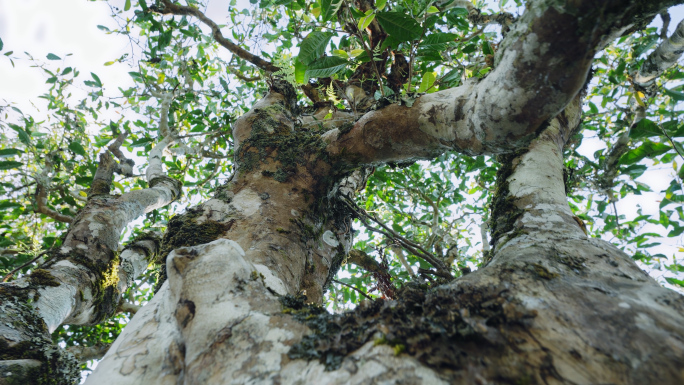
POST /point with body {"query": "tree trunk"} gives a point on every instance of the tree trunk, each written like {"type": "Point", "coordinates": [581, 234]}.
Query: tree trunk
{"type": "Point", "coordinates": [551, 306]}
{"type": "Point", "coordinates": [243, 272]}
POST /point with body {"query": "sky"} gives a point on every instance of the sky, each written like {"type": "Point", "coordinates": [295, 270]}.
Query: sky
{"type": "Point", "coordinates": [68, 29]}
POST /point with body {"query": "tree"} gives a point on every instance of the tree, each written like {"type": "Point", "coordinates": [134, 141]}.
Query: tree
{"type": "Point", "coordinates": [376, 86]}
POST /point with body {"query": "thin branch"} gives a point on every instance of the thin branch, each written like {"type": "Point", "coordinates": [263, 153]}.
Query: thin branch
{"type": "Point", "coordinates": [127, 307]}
{"type": "Point", "coordinates": [42, 206]}
{"type": "Point", "coordinates": [412, 247]}
{"type": "Point", "coordinates": [11, 273]}
{"type": "Point", "coordinates": [176, 9]}
{"type": "Point", "coordinates": [242, 76]}
{"type": "Point", "coordinates": [665, 56]}
{"type": "Point", "coordinates": [671, 141]}
{"type": "Point", "coordinates": [352, 287]}
{"type": "Point", "coordinates": [211, 176]}
{"type": "Point", "coordinates": [665, 16]}
{"type": "Point", "coordinates": [399, 252]}
{"type": "Point", "coordinates": [87, 353]}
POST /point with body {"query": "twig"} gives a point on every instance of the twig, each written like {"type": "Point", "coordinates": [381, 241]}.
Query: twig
{"type": "Point", "coordinates": [176, 9]}
{"type": "Point", "coordinates": [11, 273]}
{"type": "Point", "coordinates": [352, 287]}
{"type": "Point", "coordinates": [211, 176]}
{"type": "Point", "coordinates": [412, 247]}
{"type": "Point", "coordinates": [671, 141]}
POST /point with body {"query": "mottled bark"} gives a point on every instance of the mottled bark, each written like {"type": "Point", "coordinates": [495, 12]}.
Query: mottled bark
{"type": "Point", "coordinates": [83, 280]}
{"type": "Point", "coordinates": [551, 306]}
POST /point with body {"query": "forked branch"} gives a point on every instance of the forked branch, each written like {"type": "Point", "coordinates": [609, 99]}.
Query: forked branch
{"type": "Point", "coordinates": [176, 9]}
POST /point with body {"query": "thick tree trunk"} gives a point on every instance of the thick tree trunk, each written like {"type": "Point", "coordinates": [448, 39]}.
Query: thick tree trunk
{"type": "Point", "coordinates": [551, 306]}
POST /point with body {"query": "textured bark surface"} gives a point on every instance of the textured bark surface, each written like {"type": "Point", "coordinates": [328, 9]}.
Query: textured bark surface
{"type": "Point", "coordinates": [81, 284]}
{"type": "Point", "coordinates": [550, 306]}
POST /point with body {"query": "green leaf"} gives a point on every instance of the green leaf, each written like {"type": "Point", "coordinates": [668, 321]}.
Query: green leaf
{"type": "Point", "coordinates": [77, 148]}
{"type": "Point", "coordinates": [9, 152]}
{"type": "Point", "coordinates": [24, 137]}
{"type": "Point", "coordinates": [97, 79]}
{"type": "Point", "coordinates": [400, 26]}
{"type": "Point", "coordinates": [313, 46]}
{"type": "Point", "coordinates": [329, 8]}
{"type": "Point", "coordinates": [644, 129]}
{"type": "Point", "coordinates": [300, 72]}
{"type": "Point", "coordinates": [380, 4]}
{"type": "Point", "coordinates": [647, 150]}
{"type": "Point", "coordinates": [9, 164]}
{"type": "Point", "coordinates": [453, 75]}
{"type": "Point", "coordinates": [635, 170]}
{"type": "Point", "coordinates": [427, 81]}
{"type": "Point", "coordinates": [437, 40]}
{"type": "Point", "coordinates": [136, 76]}
{"type": "Point", "coordinates": [1, 44]}
{"type": "Point", "coordinates": [127, 6]}
{"type": "Point", "coordinates": [326, 67]}
{"type": "Point", "coordinates": [675, 281]}
{"type": "Point", "coordinates": [678, 96]}
{"type": "Point", "coordinates": [52, 56]}
{"type": "Point", "coordinates": [365, 21]}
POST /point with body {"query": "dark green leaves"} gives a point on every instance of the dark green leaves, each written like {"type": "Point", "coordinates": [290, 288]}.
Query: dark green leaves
{"type": "Point", "coordinates": [52, 56]}
{"type": "Point", "coordinates": [1, 44]}
{"type": "Point", "coordinates": [95, 82]}
{"type": "Point", "coordinates": [9, 164]}
{"type": "Point", "coordinates": [675, 281]}
{"type": "Point", "coordinates": [77, 148]}
{"type": "Point", "coordinates": [400, 26]}
{"type": "Point", "coordinates": [678, 96]}
{"type": "Point", "coordinates": [438, 40]}
{"type": "Point", "coordinates": [24, 137]}
{"type": "Point", "coordinates": [9, 152]}
{"type": "Point", "coordinates": [326, 67]}
{"type": "Point", "coordinates": [648, 149]}
{"type": "Point", "coordinates": [313, 46]}
{"type": "Point", "coordinates": [329, 8]}
{"type": "Point", "coordinates": [645, 129]}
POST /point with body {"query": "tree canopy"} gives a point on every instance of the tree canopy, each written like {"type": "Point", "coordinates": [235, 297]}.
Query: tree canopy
{"type": "Point", "coordinates": [195, 72]}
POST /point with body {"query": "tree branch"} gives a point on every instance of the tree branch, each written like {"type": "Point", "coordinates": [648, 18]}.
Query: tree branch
{"type": "Point", "coordinates": [354, 288]}
{"type": "Point", "coordinates": [88, 353]}
{"type": "Point", "coordinates": [176, 9]}
{"type": "Point", "coordinates": [664, 57]}
{"type": "Point", "coordinates": [503, 111]}
{"type": "Point", "coordinates": [127, 307]}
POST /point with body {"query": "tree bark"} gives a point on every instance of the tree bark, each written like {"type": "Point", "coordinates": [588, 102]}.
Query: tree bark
{"type": "Point", "coordinates": [550, 306]}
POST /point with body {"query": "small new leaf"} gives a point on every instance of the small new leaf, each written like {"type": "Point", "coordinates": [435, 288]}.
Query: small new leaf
{"type": "Point", "coordinates": [365, 21]}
